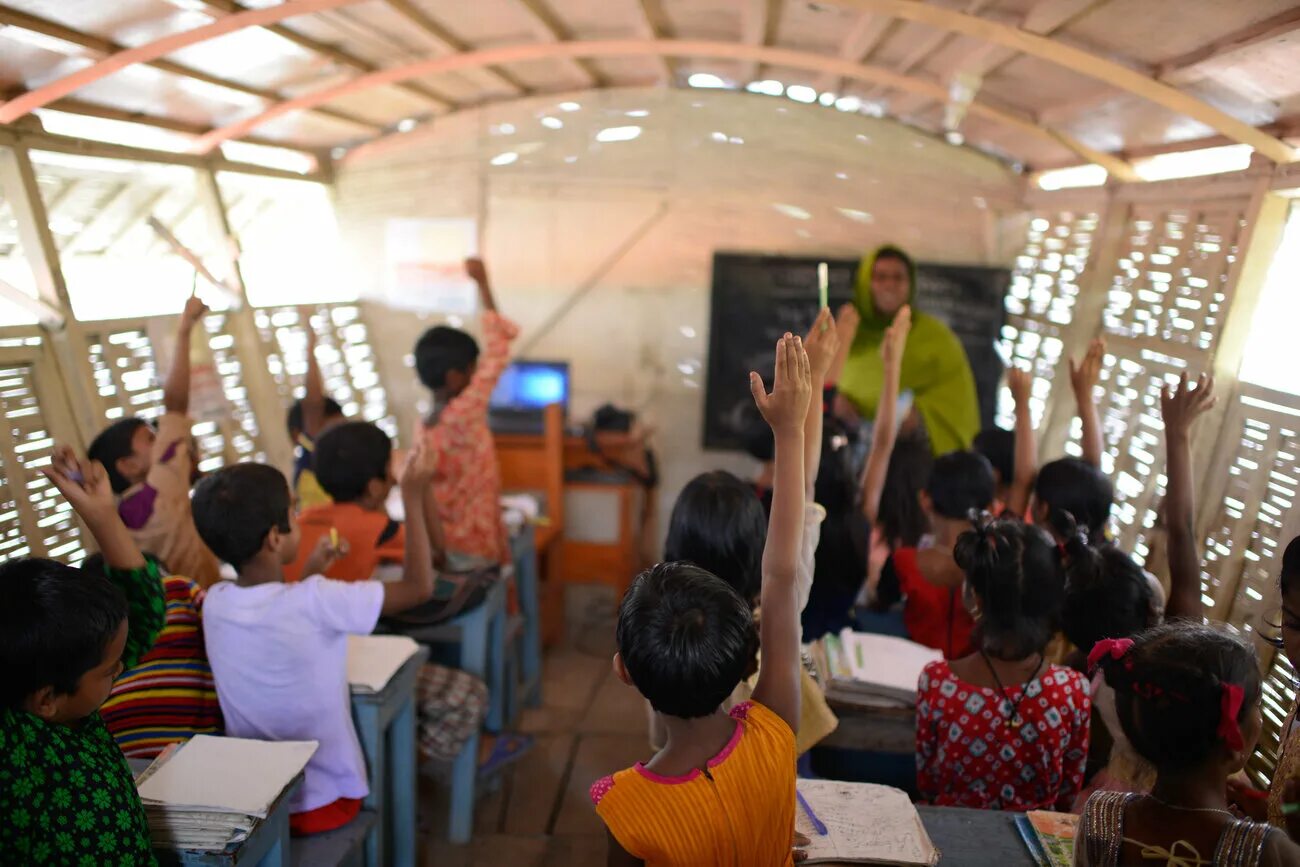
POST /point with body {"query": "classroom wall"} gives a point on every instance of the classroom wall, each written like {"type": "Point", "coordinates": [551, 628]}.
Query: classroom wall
{"type": "Point", "coordinates": [709, 171]}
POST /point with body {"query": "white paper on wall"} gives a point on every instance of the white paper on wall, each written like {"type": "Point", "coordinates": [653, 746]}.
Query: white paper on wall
{"type": "Point", "coordinates": [425, 265]}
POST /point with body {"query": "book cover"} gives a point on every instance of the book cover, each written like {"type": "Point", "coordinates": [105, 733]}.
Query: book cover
{"type": "Point", "coordinates": [1056, 832]}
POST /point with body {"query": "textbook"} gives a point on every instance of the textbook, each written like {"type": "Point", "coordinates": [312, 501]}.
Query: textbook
{"type": "Point", "coordinates": [1049, 837]}
{"type": "Point", "coordinates": [208, 793]}
{"type": "Point", "coordinates": [374, 659]}
{"type": "Point", "coordinates": [861, 823]}
{"type": "Point", "coordinates": [863, 668]}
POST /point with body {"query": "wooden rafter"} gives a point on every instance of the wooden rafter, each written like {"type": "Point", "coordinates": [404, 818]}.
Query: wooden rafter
{"type": "Point", "coordinates": [101, 46]}
{"type": "Point", "coordinates": [1083, 62]}
{"type": "Point", "coordinates": [549, 28]}
{"type": "Point", "coordinates": [812, 62]}
{"type": "Point", "coordinates": [333, 52]}
{"type": "Point", "coordinates": [759, 20]}
{"type": "Point", "coordinates": [1177, 70]}
{"type": "Point", "coordinates": [923, 50]}
{"type": "Point", "coordinates": [448, 43]}
{"type": "Point", "coordinates": [652, 23]}
{"type": "Point", "coordinates": [859, 43]}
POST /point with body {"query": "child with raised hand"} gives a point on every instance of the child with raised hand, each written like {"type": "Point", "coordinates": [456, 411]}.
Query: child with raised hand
{"type": "Point", "coordinates": [1013, 454]}
{"type": "Point", "coordinates": [279, 651]}
{"type": "Point", "coordinates": [468, 481]}
{"type": "Point", "coordinates": [307, 419]}
{"type": "Point", "coordinates": [1188, 698]}
{"type": "Point", "coordinates": [1002, 729]}
{"type": "Point", "coordinates": [151, 470]}
{"type": "Point", "coordinates": [721, 791]}
{"type": "Point", "coordinates": [1084, 377]}
{"type": "Point", "coordinates": [66, 793]}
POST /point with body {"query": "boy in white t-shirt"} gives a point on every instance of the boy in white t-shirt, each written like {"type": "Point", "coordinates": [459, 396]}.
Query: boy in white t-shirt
{"type": "Point", "coordinates": [279, 651]}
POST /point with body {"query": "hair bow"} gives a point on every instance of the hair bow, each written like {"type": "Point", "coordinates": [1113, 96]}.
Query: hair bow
{"type": "Point", "coordinates": [1229, 708]}
{"type": "Point", "coordinates": [1115, 648]}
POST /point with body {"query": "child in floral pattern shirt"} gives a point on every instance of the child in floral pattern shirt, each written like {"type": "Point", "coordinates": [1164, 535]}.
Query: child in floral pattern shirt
{"type": "Point", "coordinates": [66, 793]}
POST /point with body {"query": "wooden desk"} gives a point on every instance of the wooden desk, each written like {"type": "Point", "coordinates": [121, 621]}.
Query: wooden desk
{"type": "Point", "coordinates": [881, 730]}
{"type": "Point", "coordinates": [267, 845]}
{"type": "Point", "coordinates": [975, 838]}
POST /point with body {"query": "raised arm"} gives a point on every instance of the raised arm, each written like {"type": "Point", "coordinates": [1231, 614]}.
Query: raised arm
{"type": "Point", "coordinates": [84, 484]}
{"type": "Point", "coordinates": [884, 432]}
{"type": "Point", "coordinates": [477, 272]}
{"type": "Point", "coordinates": [418, 576]}
{"type": "Point", "coordinates": [1021, 484]}
{"type": "Point", "coordinates": [785, 409]}
{"type": "Point", "coordinates": [847, 320]}
{"type": "Point", "coordinates": [313, 399]}
{"type": "Point", "coordinates": [176, 389]}
{"type": "Point", "coordinates": [1084, 377]}
{"type": "Point", "coordinates": [822, 345]}
{"type": "Point", "coordinates": [1180, 406]}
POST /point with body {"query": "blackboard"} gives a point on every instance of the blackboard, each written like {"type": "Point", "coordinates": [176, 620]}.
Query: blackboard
{"type": "Point", "coordinates": [755, 299]}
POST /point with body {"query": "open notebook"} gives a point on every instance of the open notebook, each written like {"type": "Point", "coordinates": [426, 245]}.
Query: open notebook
{"type": "Point", "coordinates": [865, 824]}
{"type": "Point", "coordinates": [210, 791]}
{"type": "Point", "coordinates": [873, 669]}
{"type": "Point", "coordinates": [374, 659]}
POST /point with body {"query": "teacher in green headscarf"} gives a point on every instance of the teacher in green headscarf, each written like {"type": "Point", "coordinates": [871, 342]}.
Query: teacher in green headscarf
{"type": "Point", "coordinates": [935, 368]}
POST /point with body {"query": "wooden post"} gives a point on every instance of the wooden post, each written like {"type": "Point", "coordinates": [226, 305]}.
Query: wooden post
{"type": "Point", "coordinates": [18, 178]}
{"type": "Point", "coordinates": [263, 397]}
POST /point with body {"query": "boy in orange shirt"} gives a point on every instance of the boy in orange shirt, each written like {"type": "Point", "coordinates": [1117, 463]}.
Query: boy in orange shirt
{"type": "Point", "coordinates": [151, 470]}
{"type": "Point", "coordinates": [468, 484]}
{"type": "Point", "coordinates": [353, 461]}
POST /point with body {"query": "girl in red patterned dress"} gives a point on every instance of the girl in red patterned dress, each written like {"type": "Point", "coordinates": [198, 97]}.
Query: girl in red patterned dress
{"type": "Point", "coordinates": [1001, 729]}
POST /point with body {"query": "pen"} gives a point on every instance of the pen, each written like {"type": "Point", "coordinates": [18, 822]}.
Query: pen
{"type": "Point", "coordinates": [817, 823]}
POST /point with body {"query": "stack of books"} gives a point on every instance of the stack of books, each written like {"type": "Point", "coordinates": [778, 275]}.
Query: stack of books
{"type": "Point", "coordinates": [208, 793]}
{"type": "Point", "coordinates": [859, 668]}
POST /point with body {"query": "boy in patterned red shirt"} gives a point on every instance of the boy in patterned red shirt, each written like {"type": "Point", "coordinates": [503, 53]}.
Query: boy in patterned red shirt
{"type": "Point", "coordinates": [468, 483]}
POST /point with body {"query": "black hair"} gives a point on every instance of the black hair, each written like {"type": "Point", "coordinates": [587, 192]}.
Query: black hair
{"type": "Point", "coordinates": [113, 444]}
{"type": "Point", "coordinates": [840, 561]}
{"type": "Point", "coordinates": [1076, 486]}
{"type": "Point", "coordinates": [999, 446]}
{"type": "Point", "coordinates": [686, 637]}
{"type": "Point", "coordinates": [1107, 594]}
{"type": "Point", "coordinates": [1290, 577]}
{"type": "Point", "coordinates": [960, 482]}
{"type": "Point", "coordinates": [719, 525]}
{"type": "Point", "coordinates": [441, 350]}
{"type": "Point", "coordinates": [236, 507]}
{"type": "Point", "coordinates": [293, 420]}
{"type": "Point", "coordinates": [891, 252]}
{"type": "Point", "coordinates": [1015, 569]}
{"type": "Point", "coordinates": [55, 623]}
{"type": "Point", "coordinates": [901, 519]}
{"type": "Point", "coordinates": [1169, 690]}
{"type": "Point", "coordinates": [348, 456]}
{"type": "Point", "coordinates": [759, 441]}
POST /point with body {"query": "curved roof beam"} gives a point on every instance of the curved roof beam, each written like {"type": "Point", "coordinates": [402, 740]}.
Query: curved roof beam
{"type": "Point", "coordinates": [1082, 62]}
{"type": "Point", "coordinates": [659, 48]}
{"type": "Point", "coordinates": [119, 60]}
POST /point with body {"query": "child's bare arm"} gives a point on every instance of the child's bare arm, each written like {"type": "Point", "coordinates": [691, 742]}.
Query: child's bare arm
{"type": "Point", "coordinates": [1021, 483]}
{"type": "Point", "coordinates": [1083, 379]}
{"type": "Point", "coordinates": [822, 344]}
{"type": "Point", "coordinates": [1180, 406]}
{"type": "Point", "coordinates": [847, 320]}
{"type": "Point", "coordinates": [176, 389]}
{"type": "Point", "coordinates": [313, 399]}
{"type": "Point", "coordinates": [885, 431]}
{"type": "Point", "coordinates": [785, 409]}
{"type": "Point", "coordinates": [416, 585]}
{"type": "Point", "coordinates": [477, 272]}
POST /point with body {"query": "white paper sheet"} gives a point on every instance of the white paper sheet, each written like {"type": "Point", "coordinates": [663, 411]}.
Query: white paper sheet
{"type": "Point", "coordinates": [374, 659]}
{"type": "Point", "coordinates": [225, 775]}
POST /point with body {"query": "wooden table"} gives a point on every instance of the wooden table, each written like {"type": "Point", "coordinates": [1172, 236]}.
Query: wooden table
{"type": "Point", "coordinates": [267, 845]}
{"type": "Point", "coordinates": [974, 838]}
{"type": "Point", "coordinates": [873, 729]}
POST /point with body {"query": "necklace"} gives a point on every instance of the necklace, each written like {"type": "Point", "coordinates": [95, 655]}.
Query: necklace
{"type": "Point", "coordinates": [1015, 720]}
{"type": "Point", "coordinates": [1165, 803]}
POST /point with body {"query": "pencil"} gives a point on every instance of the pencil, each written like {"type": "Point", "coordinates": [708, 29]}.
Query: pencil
{"type": "Point", "coordinates": [817, 823]}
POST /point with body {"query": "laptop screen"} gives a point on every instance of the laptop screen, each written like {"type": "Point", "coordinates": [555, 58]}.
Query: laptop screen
{"type": "Point", "coordinates": [532, 385]}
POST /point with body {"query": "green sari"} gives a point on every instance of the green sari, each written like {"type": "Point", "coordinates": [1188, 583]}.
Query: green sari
{"type": "Point", "coordinates": [935, 369]}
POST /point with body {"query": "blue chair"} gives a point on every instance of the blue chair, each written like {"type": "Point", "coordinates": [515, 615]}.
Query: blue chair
{"type": "Point", "coordinates": [524, 630]}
